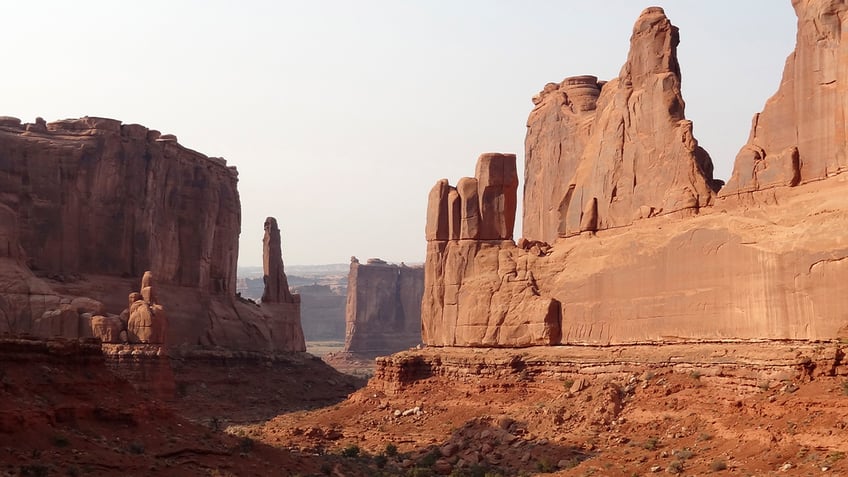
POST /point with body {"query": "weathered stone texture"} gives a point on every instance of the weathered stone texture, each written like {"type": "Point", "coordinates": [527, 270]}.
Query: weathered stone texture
{"type": "Point", "coordinates": [478, 290]}
{"type": "Point", "coordinates": [383, 313]}
{"type": "Point", "coordinates": [614, 148]}
{"type": "Point", "coordinates": [276, 283]}
{"type": "Point", "coordinates": [754, 265]}
{"type": "Point", "coordinates": [800, 136]}
{"type": "Point", "coordinates": [96, 203]}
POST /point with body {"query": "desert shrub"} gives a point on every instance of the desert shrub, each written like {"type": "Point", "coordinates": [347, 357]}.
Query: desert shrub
{"type": "Point", "coordinates": [684, 454]}
{"type": "Point", "coordinates": [543, 465]}
{"type": "Point", "coordinates": [61, 441]}
{"type": "Point", "coordinates": [351, 451]}
{"type": "Point", "coordinates": [391, 450]}
{"type": "Point", "coordinates": [651, 443]}
{"type": "Point", "coordinates": [718, 465]}
{"type": "Point", "coordinates": [430, 459]}
{"type": "Point", "coordinates": [246, 444]}
{"type": "Point", "coordinates": [675, 467]}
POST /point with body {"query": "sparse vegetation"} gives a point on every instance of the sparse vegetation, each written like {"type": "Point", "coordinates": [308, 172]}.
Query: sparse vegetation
{"type": "Point", "coordinates": [34, 470]}
{"type": "Point", "coordinates": [430, 459]}
{"type": "Point", "coordinates": [351, 451]}
{"type": "Point", "coordinates": [543, 465]}
{"type": "Point", "coordinates": [676, 467]}
{"type": "Point", "coordinates": [684, 454]}
{"type": "Point", "coordinates": [391, 450]}
{"type": "Point", "coordinates": [651, 443]}
{"type": "Point", "coordinates": [704, 437]}
{"type": "Point", "coordinates": [61, 441]}
{"type": "Point", "coordinates": [845, 387]}
{"type": "Point", "coordinates": [696, 375]}
{"type": "Point", "coordinates": [718, 465]}
{"type": "Point", "coordinates": [246, 444]}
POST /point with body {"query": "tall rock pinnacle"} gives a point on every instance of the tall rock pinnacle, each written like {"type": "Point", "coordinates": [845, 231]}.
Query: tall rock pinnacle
{"type": "Point", "coordinates": [276, 283]}
{"type": "Point", "coordinates": [603, 154]}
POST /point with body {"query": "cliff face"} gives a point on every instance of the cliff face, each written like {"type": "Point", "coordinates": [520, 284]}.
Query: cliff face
{"type": "Point", "coordinates": [603, 154]}
{"type": "Point", "coordinates": [763, 264]}
{"type": "Point", "coordinates": [478, 291]}
{"type": "Point", "coordinates": [98, 203]}
{"type": "Point", "coordinates": [800, 135]}
{"type": "Point", "coordinates": [383, 312]}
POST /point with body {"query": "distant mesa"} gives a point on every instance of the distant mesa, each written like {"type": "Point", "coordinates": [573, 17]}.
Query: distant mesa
{"type": "Point", "coordinates": [383, 311]}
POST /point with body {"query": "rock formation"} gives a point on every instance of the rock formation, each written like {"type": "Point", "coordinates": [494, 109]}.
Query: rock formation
{"type": "Point", "coordinates": [276, 285]}
{"type": "Point", "coordinates": [147, 322]}
{"type": "Point", "coordinates": [477, 290]}
{"type": "Point", "coordinates": [383, 313]}
{"type": "Point", "coordinates": [766, 264]}
{"type": "Point", "coordinates": [801, 134]}
{"type": "Point", "coordinates": [97, 203]}
{"type": "Point", "coordinates": [603, 154]}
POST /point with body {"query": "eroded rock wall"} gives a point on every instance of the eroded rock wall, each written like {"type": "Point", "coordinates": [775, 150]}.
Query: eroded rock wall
{"type": "Point", "coordinates": [479, 289]}
{"type": "Point", "coordinates": [97, 203]}
{"type": "Point", "coordinates": [383, 311]}
{"type": "Point", "coordinates": [603, 154]}
{"type": "Point", "coordinates": [801, 136]}
{"type": "Point", "coordinates": [763, 260]}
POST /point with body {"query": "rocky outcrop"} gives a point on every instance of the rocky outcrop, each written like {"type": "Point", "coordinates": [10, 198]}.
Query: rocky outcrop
{"type": "Point", "coordinates": [603, 154]}
{"type": "Point", "coordinates": [747, 267]}
{"type": "Point", "coordinates": [322, 309]}
{"type": "Point", "coordinates": [147, 322]}
{"type": "Point", "coordinates": [97, 203]}
{"type": "Point", "coordinates": [276, 284]}
{"type": "Point", "coordinates": [801, 134]}
{"type": "Point", "coordinates": [383, 312]}
{"type": "Point", "coordinates": [479, 289]}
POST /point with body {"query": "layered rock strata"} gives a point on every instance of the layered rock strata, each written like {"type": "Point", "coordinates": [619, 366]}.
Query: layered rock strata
{"type": "Point", "coordinates": [478, 290]}
{"type": "Point", "coordinates": [603, 154]}
{"type": "Point", "coordinates": [800, 135]}
{"type": "Point", "coordinates": [383, 310]}
{"type": "Point", "coordinates": [766, 264]}
{"type": "Point", "coordinates": [96, 203]}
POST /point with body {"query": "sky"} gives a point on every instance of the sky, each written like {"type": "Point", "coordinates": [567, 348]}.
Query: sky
{"type": "Point", "coordinates": [341, 115]}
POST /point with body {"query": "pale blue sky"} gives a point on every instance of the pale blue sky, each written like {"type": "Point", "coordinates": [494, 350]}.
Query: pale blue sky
{"type": "Point", "coordinates": [341, 115]}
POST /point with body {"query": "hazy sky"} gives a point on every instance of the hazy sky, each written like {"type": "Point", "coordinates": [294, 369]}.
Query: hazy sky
{"type": "Point", "coordinates": [340, 115]}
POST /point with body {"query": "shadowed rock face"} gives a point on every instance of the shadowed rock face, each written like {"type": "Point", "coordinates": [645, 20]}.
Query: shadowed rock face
{"type": "Point", "coordinates": [383, 313]}
{"type": "Point", "coordinates": [96, 196]}
{"type": "Point", "coordinates": [276, 283]}
{"type": "Point", "coordinates": [619, 150]}
{"type": "Point", "coordinates": [801, 134]}
{"type": "Point", "coordinates": [763, 260]}
{"type": "Point", "coordinates": [97, 203]}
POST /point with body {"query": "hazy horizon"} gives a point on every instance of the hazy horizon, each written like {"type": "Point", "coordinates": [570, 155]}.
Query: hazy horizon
{"type": "Point", "coordinates": [340, 116]}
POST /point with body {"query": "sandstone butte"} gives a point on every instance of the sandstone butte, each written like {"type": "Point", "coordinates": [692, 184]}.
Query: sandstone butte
{"type": "Point", "coordinates": [383, 310]}
{"type": "Point", "coordinates": [88, 205]}
{"type": "Point", "coordinates": [628, 238]}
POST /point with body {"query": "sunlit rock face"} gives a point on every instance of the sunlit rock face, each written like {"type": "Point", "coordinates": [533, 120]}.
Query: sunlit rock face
{"type": "Point", "coordinates": [800, 135]}
{"type": "Point", "coordinates": [603, 154]}
{"type": "Point", "coordinates": [626, 239]}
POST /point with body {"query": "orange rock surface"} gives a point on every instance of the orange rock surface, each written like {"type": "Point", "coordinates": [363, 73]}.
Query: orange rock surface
{"type": "Point", "coordinates": [625, 239]}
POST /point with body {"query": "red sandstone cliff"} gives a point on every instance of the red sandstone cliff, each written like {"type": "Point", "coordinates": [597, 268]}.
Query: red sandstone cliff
{"type": "Point", "coordinates": [98, 202]}
{"type": "Point", "coordinates": [383, 313]}
{"type": "Point", "coordinates": [801, 134]}
{"type": "Point", "coordinates": [767, 264]}
{"type": "Point", "coordinates": [603, 154]}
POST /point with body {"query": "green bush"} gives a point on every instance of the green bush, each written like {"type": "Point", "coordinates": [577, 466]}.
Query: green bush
{"type": "Point", "coordinates": [351, 451]}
